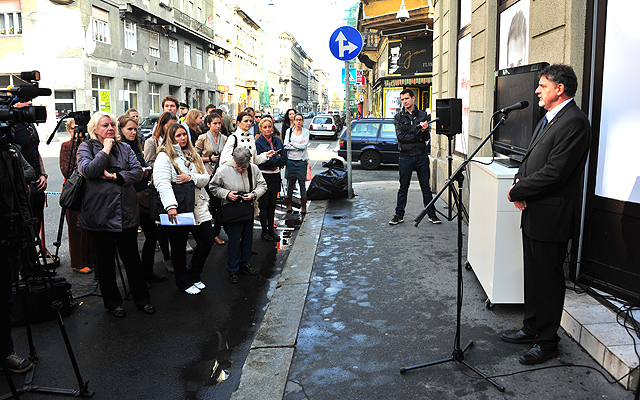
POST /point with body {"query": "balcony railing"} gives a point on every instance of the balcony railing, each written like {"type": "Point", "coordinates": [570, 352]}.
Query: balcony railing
{"type": "Point", "coordinates": [192, 24]}
{"type": "Point", "coordinates": [370, 41]}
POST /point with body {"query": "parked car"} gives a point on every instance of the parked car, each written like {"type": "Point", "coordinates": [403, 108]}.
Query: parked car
{"type": "Point", "coordinates": [323, 125]}
{"type": "Point", "coordinates": [147, 124]}
{"type": "Point", "coordinates": [339, 117]}
{"type": "Point", "coordinates": [277, 117]}
{"type": "Point", "coordinates": [309, 114]}
{"type": "Point", "coordinates": [373, 142]}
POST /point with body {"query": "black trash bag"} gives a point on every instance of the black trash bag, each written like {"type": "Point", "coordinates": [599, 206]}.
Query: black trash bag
{"type": "Point", "coordinates": [333, 163]}
{"type": "Point", "coordinates": [330, 184]}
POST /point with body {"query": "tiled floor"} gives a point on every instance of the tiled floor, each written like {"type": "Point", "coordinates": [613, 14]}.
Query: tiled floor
{"type": "Point", "coordinates": [596, 329]}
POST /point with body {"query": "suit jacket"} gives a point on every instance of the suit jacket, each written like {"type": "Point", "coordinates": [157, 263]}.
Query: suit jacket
{"type": "Point", "coordinates": [551, 176]}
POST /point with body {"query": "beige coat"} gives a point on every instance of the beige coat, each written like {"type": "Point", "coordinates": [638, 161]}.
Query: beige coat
{"type": "Point", "coordinates": [227, 179]}
{"type": "Point", "coordinates": [204, 148]}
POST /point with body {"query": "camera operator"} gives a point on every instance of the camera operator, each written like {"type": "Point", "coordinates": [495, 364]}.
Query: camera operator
{"type": "Point", "coordinates": [26, 136]}
{"type": "Point", "coordinates": [9, 262]}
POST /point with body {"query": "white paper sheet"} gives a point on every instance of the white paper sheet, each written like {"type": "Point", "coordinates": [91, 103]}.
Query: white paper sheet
{"type": "Point", "coordinates": [181, 219]}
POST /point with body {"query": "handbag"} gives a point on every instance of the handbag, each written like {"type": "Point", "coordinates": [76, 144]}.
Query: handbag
{"type": "Point", "coordinates": [72, 192]}
{"type": "Point", "coordinates": [73, 189]}
{"type": "Point", "coordinates": [185, 194]}
{"type": "Point", "coordinates": [240, 211]}
{"type": "Point", "coordinates": [309, 174]}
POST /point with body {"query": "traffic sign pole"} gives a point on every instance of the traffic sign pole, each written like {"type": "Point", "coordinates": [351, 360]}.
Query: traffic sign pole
{"type": "Point", "coordinates": [347, 98]}
{"type": "Point", "coordinates": [345, 44]}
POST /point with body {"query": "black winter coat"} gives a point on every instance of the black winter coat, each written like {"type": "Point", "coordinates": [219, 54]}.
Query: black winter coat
{"type": "Point", "coordinates": [108, 205]}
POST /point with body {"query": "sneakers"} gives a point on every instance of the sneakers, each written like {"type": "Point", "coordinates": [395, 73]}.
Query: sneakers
{"type": "Point", "coordinates": [192, 290]}
{"type": "Point", "coordinates": [396, 220]}
{"type": "Point", "coordinates": [17, 364]}
{"type": "Point", "coordinates": [435, 220]}
{"type": "Point", "coordinates": [200, 285]}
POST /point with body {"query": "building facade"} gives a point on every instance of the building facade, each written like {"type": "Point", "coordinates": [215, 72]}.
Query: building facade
{"type": "Point", "coordinates": [114, 56]}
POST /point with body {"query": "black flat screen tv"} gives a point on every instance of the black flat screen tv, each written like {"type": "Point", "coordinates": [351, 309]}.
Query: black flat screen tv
{"type": "Point", "coordinates": [513, 85]}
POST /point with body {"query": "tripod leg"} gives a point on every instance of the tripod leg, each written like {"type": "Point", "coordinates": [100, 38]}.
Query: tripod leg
{"type": "Point", "coordinates": [127, 293]}
{"type": "Point", "coordinates": [428, 364]}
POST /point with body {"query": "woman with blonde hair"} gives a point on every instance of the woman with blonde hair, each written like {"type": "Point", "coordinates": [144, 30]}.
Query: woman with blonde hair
{"type": "Point", "coordinates": [193, 121]}
{"type": "Point", "coordinates": [178, 163]}
{"type": "Point", "coordinates": [109, 211]}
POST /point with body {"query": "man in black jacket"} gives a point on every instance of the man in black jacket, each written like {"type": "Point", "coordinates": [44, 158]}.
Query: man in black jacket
{"type": "Point", "coordinates": [412, 131]}
{"type": "Point", "coordinates": [548, 189]}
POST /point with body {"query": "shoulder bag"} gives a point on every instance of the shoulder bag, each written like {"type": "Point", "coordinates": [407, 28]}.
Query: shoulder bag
{"type": "Point", "coordinates": [240, 211]}
{"type": "Point", "coordinates": [73, 189]}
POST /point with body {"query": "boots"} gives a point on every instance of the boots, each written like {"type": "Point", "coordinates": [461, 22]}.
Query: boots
{"type": "Point", "coordinates": [287, 203]}
{"type": "Point", "coordinates": [303, 205]}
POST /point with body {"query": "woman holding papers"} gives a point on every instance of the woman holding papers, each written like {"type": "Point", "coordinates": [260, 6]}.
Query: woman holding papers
{"type": "Point", "coordinates": [178, 162]}
{"type": "Point", "coordinates": [109, 211]}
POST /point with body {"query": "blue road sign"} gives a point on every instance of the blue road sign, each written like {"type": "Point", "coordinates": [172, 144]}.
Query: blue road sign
{"type": "Point", "coordinates": [345, 43]}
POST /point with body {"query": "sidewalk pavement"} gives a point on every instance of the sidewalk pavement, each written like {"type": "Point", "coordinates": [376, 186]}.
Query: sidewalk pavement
{"type": "Point", "coordinates": [359, 299]}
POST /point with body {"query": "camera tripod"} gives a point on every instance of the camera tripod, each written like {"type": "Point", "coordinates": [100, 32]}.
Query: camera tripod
{"type": "Point", "coordinates": [21, 229]}
{"type": "Point", "coordinates": [458, 352]}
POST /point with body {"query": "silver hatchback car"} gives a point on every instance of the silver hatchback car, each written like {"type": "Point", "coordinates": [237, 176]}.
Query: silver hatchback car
{"type": "Point", "coordinates": [323, 125]}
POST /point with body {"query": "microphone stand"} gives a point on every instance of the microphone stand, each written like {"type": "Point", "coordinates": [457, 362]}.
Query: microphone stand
{"type": "Point", "coordinates": [457, 176]}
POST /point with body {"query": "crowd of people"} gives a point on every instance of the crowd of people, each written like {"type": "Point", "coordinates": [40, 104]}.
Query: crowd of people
{"type": "Point", "coordinates": [188, 151]}
{"type": "Point", "coordinates": [194, 163]}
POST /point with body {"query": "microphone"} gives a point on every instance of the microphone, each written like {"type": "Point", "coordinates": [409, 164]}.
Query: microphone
{"type": "Point", "coordinates": [518, 106]}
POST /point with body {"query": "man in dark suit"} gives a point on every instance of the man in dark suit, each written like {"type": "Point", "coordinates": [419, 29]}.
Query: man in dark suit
{"type": "Point", "coordinates": [548, 191]}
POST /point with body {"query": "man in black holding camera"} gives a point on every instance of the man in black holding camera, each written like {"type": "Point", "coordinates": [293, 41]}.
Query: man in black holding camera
{"type": "Point", "coordinates": [26, 136]}
{"type": "Point", "coordinates": [412, 130]}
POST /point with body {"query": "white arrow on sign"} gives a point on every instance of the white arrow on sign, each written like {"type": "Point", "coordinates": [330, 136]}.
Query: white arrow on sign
{"type": "Point", "coordinates": [341, 47]}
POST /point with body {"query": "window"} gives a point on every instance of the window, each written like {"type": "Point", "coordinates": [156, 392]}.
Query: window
{"type": "Point", "coordinates": [100, 23]}
{"type": "Point", "coordinates": [388, 131]}
{"type": "Point", "coordinates": [366, 130]}
{"type": "Point", "coordinates": [173, 50]}
{"type": "Point", "coordinates": [100, 93]}
{"type": "Point", "coordinates": [130, 95]}
{"type": "Point", "coordinates": [211, 69]}
{"type": "Point", "coordinates": [198, 58]}
{"type": "Point", "coordinates": [199, 14]}
{"type": "Point", "coordinates": [198, 100]}
{"type": "Point", "coordinates": [154, 98]}
{"type": "Point", "coordinates": [190, 10]}
{"type": "Point", "coordinates": [11, 23]}
{"type": "Point", "coordinates": [130, 39]}
{"type": "Point", "coordinates": [187, 54]}
{"type": "Point", "coordinates": [154, 44]}
{"type": "Point", "coordinates": [64, 102]}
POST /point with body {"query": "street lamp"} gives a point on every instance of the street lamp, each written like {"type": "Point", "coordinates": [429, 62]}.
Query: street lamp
{"type": "Point", "coordinates": [403, 14]}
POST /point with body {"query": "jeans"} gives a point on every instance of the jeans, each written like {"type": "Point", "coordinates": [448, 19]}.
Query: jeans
{"type": "Point", "coordinates": [406, 166]}
{"type": "Point", "coordinates": [239, 245]}
{"type": "Point", "coordinates": [178, 235]}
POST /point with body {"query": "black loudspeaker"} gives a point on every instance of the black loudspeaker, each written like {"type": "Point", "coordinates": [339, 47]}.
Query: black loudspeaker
{"type": "Point", "coordinates": [449, 113]}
